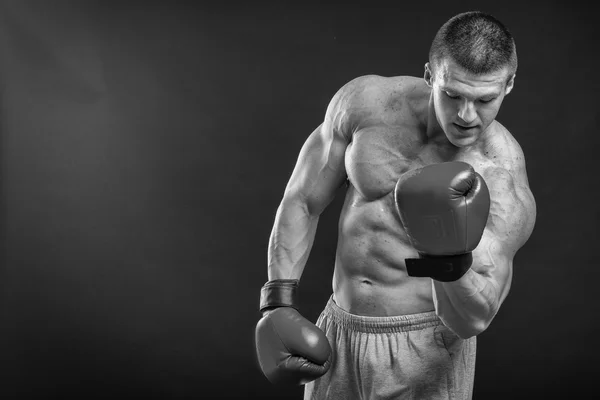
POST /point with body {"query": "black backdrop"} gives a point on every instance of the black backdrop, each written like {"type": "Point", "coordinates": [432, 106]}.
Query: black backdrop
{"type": "Point", "coordinates": [145, 148]}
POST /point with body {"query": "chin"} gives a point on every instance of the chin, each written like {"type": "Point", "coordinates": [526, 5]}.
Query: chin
{"type": "Point", "coordinates": [462, 141]}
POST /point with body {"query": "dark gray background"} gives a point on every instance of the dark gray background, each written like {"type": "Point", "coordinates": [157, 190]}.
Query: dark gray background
{"type": "Point", "coordinates": [145, 148]}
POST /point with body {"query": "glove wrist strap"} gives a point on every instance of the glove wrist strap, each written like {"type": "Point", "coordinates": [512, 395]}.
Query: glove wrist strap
{"type": "Point", "coordinates": [279, 293]}
{"type": "Point", "coordinates": [441, 268]}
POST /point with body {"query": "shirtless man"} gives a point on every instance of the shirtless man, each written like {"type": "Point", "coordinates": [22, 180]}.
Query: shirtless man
{"type": "Point", "coordinates": [437, 204]}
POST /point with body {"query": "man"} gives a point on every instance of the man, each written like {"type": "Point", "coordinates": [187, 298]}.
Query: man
{"type": "Point", "coordinates": [437, 204]}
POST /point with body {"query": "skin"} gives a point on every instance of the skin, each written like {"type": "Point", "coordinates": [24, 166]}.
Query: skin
{"type": "Point", "coordinates": [375, 129]}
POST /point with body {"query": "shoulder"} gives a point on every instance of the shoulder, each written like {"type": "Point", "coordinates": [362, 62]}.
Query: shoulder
{"type": "Point", "coordinates": [504, 155]}
{"type": "Point", "coordinates": [365, 97]}
{"type": "Point", "coordinates": [360, 93]}
{"type": "Point", "coordinates": [373, 90]}
{"type": "Point", "coordinates": [513, 207]}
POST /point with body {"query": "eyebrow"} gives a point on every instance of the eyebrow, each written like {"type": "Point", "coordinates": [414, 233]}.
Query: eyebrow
{"type": "Point", "coordinates": [485, 96]}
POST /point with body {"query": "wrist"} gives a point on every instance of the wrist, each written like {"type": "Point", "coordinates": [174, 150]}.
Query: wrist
{"type": "Point", "coordinates": [443, 268]}
{"type": "Point", "coordinates": [279, 293]}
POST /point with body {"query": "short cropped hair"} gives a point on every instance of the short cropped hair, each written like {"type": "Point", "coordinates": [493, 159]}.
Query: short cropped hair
{"type": "Point", "coordinates": [477, 42]}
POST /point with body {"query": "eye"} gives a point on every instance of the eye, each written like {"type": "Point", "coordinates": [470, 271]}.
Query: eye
{"type": "Point", "coordinates": [486, 101]}
{"type": "Point", "coordinates": [451, 96]}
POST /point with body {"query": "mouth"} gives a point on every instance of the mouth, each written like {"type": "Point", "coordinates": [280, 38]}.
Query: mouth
{"type": "Point", "coordinates": [465, 129]}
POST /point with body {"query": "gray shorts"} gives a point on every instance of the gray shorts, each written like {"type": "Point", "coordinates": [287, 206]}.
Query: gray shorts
{"type": "Point", "coordinates": [411, 356]}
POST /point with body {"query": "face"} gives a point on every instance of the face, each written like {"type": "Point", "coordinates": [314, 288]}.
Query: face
{"type": "Point", "coordinates": [466, 104]}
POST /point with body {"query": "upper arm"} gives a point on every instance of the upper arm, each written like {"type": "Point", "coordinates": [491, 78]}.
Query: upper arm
{"type": "Point", "coordinates": [510, 222]}
{"type": "Point", "coordinates": [320, 168]}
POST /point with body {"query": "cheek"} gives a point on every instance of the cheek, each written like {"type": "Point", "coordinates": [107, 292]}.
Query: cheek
{"type": "Point", "coordinates": [444, 109]}
{"type": "Point", "coordinates": [487, 115]}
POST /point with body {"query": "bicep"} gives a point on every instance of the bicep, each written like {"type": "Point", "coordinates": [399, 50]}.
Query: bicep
{"type": "Point", "coordinates": [320, 169]}
{"type": "Point", "coordinates": [510, 223]}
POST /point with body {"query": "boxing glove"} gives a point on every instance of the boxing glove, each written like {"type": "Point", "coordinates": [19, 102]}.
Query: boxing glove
{"type": "Point", "coordinates": [444, 209]}
{"type": "Point", "coordinates": [290, 349]}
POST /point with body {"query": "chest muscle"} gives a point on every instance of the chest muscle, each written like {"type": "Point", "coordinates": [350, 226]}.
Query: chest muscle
{"type": "Point", "coordinates": [376, 158]}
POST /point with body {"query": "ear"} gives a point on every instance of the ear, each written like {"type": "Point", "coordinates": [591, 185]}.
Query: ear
{"type": "Point", "coordinates": [428, 75]}
{"type": "Point", "coordinates": [510, 84]}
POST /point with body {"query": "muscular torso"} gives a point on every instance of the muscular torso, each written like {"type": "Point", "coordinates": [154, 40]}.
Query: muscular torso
{"type": "Point", "coordinates": [370, 274]}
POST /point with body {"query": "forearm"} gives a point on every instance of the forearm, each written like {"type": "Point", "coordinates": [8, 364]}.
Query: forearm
{"type": "Point", "coordinates": [291, 240]}
{"type": "Point", "coordinates": [468, 305]}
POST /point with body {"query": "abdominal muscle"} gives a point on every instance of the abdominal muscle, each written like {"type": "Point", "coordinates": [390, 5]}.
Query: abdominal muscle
{"type": "Point", "coordinates": [370, 276]}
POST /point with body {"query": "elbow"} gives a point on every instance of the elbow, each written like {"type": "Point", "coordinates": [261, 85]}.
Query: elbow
{"type": "Point", "coordinates": [301, 202]}
{"type": "Point", "coordinates": [468, 329]}
{"type": "Point", "coordinates": [293, 199]}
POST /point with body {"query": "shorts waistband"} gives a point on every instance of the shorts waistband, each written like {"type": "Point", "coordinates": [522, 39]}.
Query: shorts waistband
{"type": "Point", "coordinates": [399, 323]}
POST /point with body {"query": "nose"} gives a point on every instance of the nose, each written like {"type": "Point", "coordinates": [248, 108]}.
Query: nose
{"type": "Point", "coordinates": [467, 112]}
